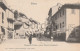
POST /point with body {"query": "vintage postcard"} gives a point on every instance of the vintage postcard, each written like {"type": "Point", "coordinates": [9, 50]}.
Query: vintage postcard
{"type": "Point", "coordinates": [39, 25]}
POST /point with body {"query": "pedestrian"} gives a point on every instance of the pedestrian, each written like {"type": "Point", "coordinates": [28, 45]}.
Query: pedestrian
{"type": "Point", "coordinates": [30, 38]}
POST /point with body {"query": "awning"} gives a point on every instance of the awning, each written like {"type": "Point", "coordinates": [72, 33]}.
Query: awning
{"type": "Point", "coordinates": [10, 20]}
{"type": "Point", "coordinates": [16, 27]}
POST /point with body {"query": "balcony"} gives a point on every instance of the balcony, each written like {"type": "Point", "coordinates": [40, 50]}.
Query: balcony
{"type": "Point", "coordinates": [3, 4]}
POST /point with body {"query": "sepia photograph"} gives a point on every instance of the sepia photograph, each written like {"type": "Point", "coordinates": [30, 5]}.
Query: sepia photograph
{"type": "Point", "coordinates": [39, 25]}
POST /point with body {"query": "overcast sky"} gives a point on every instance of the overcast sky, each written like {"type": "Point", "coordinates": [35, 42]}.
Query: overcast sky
{"type": "Point", "coordinates": [36, 9]}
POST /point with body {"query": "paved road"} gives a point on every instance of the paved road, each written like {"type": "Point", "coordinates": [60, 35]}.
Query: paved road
{"type": "Point", "coordinates": [23, 45]}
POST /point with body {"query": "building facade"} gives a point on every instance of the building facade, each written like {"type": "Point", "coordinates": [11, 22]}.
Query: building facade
{"type": "Point", "coordinates": [10, 22]}
{"type": "Point", "coordinates": [3, 19]}
{"type": "Point", "coordinates": [6, 21]}
{"type": "Point", "coordinates": [64, 21]}
{"type": "Point", "coordinates": [49, 33]}
{"type": "Point", "coordinates": [20, 27]}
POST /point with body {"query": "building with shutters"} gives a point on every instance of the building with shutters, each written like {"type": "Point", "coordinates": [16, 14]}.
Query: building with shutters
{"type": "Point", "coordinates": [64, 20]}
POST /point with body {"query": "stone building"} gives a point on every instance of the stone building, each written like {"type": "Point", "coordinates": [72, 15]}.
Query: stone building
{"type": "Point", "coordinates": [63, 21]}
{"type": "Point", "coordinates": [3, 18]}
{"type": "Point", "coordinates": [6, 21]}
{"type": "Point", "coordinates": [10, 22]}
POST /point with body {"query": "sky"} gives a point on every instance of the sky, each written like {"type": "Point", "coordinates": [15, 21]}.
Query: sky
{"type": "Point", "coordinates": [36, 9]}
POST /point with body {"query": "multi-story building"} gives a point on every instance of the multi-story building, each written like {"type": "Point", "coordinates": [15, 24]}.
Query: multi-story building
{"type": "Point", "coordinates": [3, 18]}
{"type": "Point", "coordinates": [48, 28]}
{"type": "Point", "coordinates": [21, 27]}
{"type": "Point", "coordinates": [10, 22]}
{"type": "Point", "coordinates": [65, 20]}
{"type": "Point", "coordinates": [6, 21]}
{"type": "Point", "coordinates": [52, 11]}
{"type": "Point", "coordinates": [34, 26]}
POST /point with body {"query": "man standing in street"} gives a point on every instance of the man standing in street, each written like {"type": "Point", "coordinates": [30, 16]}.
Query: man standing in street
{"type": "Point", "coordinates": [30, 38]}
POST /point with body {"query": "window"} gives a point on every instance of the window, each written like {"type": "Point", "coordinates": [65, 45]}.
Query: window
{"type": "Point", "coordinates": [60, 14]}
{"type": "Point", "coordinates": [63, 11]}
{"type": "Point", "coordinates": [63, 24]}
{"type": "Point", "coordinates": [60, 25]}
{"type": "Point", "coordinates": [2, 17]}
{"type": "Point", "coordinates": [56, 26]}
{"type": "Point", "coordinates": [55, 17]}
{"type": "Point", "coordinates": [16, 33]}
{"type": "Point", "coordinates": [3, 30]}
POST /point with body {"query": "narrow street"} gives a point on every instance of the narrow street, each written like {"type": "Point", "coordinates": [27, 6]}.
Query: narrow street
{"type": "Point", "coordinates": [23, 45]}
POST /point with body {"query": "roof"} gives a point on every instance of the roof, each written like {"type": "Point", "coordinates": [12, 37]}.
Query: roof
{"type": "Point", "coordinates": [72, 6]}
{"type": "Point", "coordinates": [10, 19]}
{"type": "Point", "coordinates": [10, 10]}
{"type": "Point", "coordinates": [27, 24]}
{"type": "Point", "coordinates": [3, 5]}
{"type": "Point", "coordinates": [56, 8]}
{"type": "Point", "coordinates": [50, 11]}
{"type": "Point", "coordinates": [31, 20]}
{"type": "Point", "coordinates": [22, 15]}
